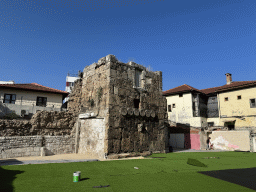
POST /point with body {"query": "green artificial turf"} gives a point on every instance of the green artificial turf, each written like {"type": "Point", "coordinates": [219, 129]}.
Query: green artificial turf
{"type": "Point", "coordinates": [195, 162]}
{"type": "Point", "coordinates": [168, 173]}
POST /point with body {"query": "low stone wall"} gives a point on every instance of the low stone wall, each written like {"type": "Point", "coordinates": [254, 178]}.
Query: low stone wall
{"type": "Point", "coordinates": [22, 146]}
{"type": "Point", "coordinates": [42, 123]}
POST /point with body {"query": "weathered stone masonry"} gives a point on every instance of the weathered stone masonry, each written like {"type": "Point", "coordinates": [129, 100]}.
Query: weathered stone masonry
{"type": "Point", "coordinates": [21, 146]}
{"type": "Point", "coordinates": [128, 98]}
{"type": "Point", "coordinates": [50, 131]}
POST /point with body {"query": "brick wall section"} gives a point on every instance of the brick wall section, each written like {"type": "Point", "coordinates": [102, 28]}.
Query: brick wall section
{"type": "Point", "coordinates": [22, 146]}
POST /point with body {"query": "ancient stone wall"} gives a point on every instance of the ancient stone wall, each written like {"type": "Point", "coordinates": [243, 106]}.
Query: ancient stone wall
{"type": "Point", "coordinates": [21, 146]}
{"type": "Point", "coordinates": [129, 98]}
{"type": "Point", "coordinates": [75, 97]}
{"type": "Point", "coordinates": [20, 138]}
{"type": "Point", "coordinates": [52, 123]}
{"type": "Point", "coordinates": [42, 123]}
{"type": "Point", "coordinates": [137, 110]}
{"type": "Point", "coordinates": [14, 127]}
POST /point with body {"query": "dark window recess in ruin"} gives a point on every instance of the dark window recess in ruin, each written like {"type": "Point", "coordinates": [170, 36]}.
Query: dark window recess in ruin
{"type": "Point", "coordinates": [181, 95]}
{"type": "Point", "coordinates": [252, 103]}
{"type": "Point", "coordinates": [169, 108]}
{"type": "Point", "coordinates": [138, 78]}
{"type": "Point", "coordinates": [226, 98]}
{"type": "Point", "coordinates": [239, 97]}
{"type": "Point", "coordinates": [173, 105]}
{"type": "Point", "coordinates": [210, 124]}
{"type": "Point", "coordinates": [9, 98]}
{"type": "Point", "coordinates": [41, 101]}
{"type": "Point", "coordinates": [136, 103]}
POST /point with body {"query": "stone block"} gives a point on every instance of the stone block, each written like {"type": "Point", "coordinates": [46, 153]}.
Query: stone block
{"type": "Point", "coordinates": [116, 146]}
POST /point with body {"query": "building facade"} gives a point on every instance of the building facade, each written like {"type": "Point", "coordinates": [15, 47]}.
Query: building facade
{"type": "Point", "coordinates": [27, 99]}
{"type": "Point", "coordinates": [228, 107]}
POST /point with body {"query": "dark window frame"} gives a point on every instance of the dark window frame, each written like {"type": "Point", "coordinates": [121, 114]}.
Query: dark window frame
{"type": "Point", "coordinates": [136, 103]}
{"type": "Point", "coordinates": [138, 74]}
{"type": "Point", "coordinates": [169, 108]}
{"type": "Point", "coordinates": [252, 104]}
{"type": "Point", "coordinates": [239, 97]}
{"type": "Point", "coordinates": [226, 99]}
{"type": "Point", "coordinates": [173, 105]}
{"type": "Point", "coordinates": [11, 100]}
{"type": "Point", "coordinates": [180, 94]}
{"type": "Point", "coordinates": [42, 102]}
{"type": "Point", "coordinates": [210, 124]}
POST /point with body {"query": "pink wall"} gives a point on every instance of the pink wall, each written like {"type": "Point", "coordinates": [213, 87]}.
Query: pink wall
{"type": "Point", "coordinates": [195, 141]}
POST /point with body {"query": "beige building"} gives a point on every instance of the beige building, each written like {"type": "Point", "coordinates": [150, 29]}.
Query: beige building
{"type": "Point", "coordinates": [228, 107]}
{"type": "Point", "coordinates": [27, 99]}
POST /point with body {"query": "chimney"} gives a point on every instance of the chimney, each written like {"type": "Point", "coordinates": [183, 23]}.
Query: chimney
{"type": "Point", "coordinates": [229, 78]}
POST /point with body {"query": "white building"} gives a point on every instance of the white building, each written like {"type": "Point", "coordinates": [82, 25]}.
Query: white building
{"type": "Point", "coordinates": [7, 82]}
{"type": "Point", "coordinates": [28, 98]}
{"type": "Point", "coordinates": [70, 81]}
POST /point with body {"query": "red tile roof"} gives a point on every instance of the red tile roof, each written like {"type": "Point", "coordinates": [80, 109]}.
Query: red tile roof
{"type": "Point", "coordinates": [181, 89]}
{"type": "Point", "coordinates": [232, 86]}
{"type": "Point", "coordinates": [34, 87]}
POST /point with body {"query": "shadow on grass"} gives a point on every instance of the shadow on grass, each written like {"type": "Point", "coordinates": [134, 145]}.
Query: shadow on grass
{"type": "Point", "coordinates": [10, 162]}
{"type": "Point", "coordinates": [84, 179]}
{"type": "Point", "coordinates": [6, 179]}
{"type": "Point", "coordinates": [243, 177]}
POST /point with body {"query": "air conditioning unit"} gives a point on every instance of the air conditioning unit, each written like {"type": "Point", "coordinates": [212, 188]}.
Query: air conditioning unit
{"type": "Point", "coordinates": [24, 112]}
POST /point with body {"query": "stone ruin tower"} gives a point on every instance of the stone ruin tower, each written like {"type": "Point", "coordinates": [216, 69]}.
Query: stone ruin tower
{"type": "Point", "coordinates": [120, 109]}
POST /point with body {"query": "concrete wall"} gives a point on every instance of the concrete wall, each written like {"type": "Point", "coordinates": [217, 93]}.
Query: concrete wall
{"type": "Point", "coordinates": [215, 120]}
{"type": "Point", "coordinates": [92, 137]}
{"type": "Point", "coordinates": [231, 140]}
{"type": "Point", "coordinates": [26, 100]}
{"type": "Point", "coordinates": [182, 113]}
{"type": "Point", "coordinates": [235, 107]}
{"type": "Point", "coordinates": [21, 146]}
{"type": "Point", "coordinates": [198, 122]}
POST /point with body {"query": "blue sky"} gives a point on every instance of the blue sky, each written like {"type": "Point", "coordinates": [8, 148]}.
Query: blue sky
{"type": "Point", "coordinates": [192, 42]}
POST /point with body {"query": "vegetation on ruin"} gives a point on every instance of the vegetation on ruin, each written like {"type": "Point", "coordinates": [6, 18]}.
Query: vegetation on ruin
{"type": "Point", "coordinates": [165, 172]}
{"type": "Point", "coordinates": [99, 93]}
{"type": "Point", "coordinates": [11, 116]}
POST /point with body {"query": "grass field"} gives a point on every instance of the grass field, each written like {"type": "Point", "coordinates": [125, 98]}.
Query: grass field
{"type": "Point", "coordinates": [169, 173]}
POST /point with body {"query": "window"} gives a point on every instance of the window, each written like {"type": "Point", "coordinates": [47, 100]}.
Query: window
{"type": "Point", "coordinates": [41, 101]}
{"type": "Point", "coordinates": [181, 95]}
{"type": "Point", "coordinates": [136, 103]}
{"type": "Point", "coordinates": [173, 105]}
{"type": "Point", "coordinates": [169, 108]}
{"type": "Point", "coordinates": [9, 98]}
{"type": "Point", "coordinates": [194, 106]}
{"type": "Point", "coordinates": [213, 99]}
{"type": "Point", "coordinates": [226, 98]}
{"type": "Point", "coordinates": [137, 78]}
{"type": "Point", "coordinates": [239, 97]}
{"type": "Point", "coordinates": [252, 103]}
{"type": "Point", "coordinates": [210, 124]}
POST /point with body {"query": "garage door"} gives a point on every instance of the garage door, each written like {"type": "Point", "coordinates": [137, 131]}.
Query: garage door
{"type": "Point", "coordinates": [177, 140]}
